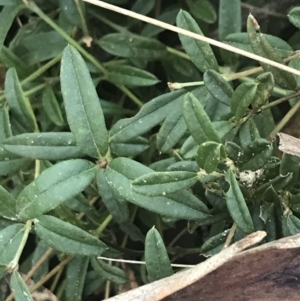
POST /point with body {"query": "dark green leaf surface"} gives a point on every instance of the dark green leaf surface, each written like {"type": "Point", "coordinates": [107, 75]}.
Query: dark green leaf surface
{"type": "Point", "coordinates": [218, 86]}
{"type": "Point", "coordinates": [236, 204]}
{"type": "Point", "coordinates": [75, 277]}
{"type": "Point", "coordinates": [131, 76]}
{"type": "Point", "coordinates": [197, 121]}
{"type": "Point", "coordinates": [264, 89]}
{"type": "Point", "coordinates": [82, 104]}
{"type": "Point", "coordinates": [7, 205]}
{"type": "Point", "coordinates": [129, 148]}
{"type": "Point", "coordinates": [241, 40]}
{"type": "Point", "coordinates": [132, 46]}
{"type": "Point", "coordinates": [157, 261]}
{"type": "Point", "coordinates": [172, 130]}
{"type": "Point", "coordinates": [7, 17]}
{"type": "Point", "coordinates": [163, 183]}
{"type": "Point", "coordinates": [108, 272]}
{"type": "Point", "coordinates": [203, 10]}
{"type": "Point", "coordinates": [54, 186]}
{"type": "Point", "coordinates": [117, 207]}
{"type": "Point", "coordinates": [18, 103]}
{"type": "Point", "coordinates": [149, 116]}
{"type": "Point", "coordinates": [230, 18]}
{"type": "Point", "coordinates": [262, 47]}
{"type": "Point", "coordinates": [51, 107]}
{"type": "Point", "coordinates": [19, 287]}
{"type": "Point", "coordinates": [209, 155]}
{"type": "Point", "coordinates": [67, 238]}
{"type": "Point", "coordinates": [294, 16]}
{"type": "Point", "coordinates": [200, 53]}
{"type": "Point", "coordinates": [9, 163]}
{"type": "Point", "coordinates": [11, 237]}
{"type": "Point", "coordinates": [44, 146]}
{"type": "Point", "coordinates": [122, 171]}
{"type": "Point", "coordinates": [241, 99]}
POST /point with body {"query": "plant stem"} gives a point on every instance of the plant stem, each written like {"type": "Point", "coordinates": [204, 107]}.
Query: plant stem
{"type": "Point", "coordinates": [13, 265]}
{"type": "Point", "coordinates": [178, 53]}
{"type": "Point", "coordinates": [130, 95]}
{"type": "Point", "coordinates": [40, 71]}
{"type": "Point", "coordinates": [285, 119]}
{"type": "Point", "coordinates": [280, 100]}
{"type": "Point", "coordinates": [103, 225]}
{"type": "Point", "coordinates": [32, 6]}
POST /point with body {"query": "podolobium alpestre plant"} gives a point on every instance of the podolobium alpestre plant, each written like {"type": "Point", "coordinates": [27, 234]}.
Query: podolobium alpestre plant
{"type": "Point", "coordinates": [71, 163]}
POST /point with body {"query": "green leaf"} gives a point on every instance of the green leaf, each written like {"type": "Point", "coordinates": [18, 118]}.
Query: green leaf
{"type": "Point", "coordinates": [7, 17]}
{"type": "Point", "coordinates": [11, 237]}
{"type": "Point", "coordinates": [214, 244]}
{"type": "Point", "coordinates": [236, 204]}
{"type": "Point", "coordinates": [44, 146]}
{"type": "Point", "coordinates": [197, 121]}
{"type": "Point", "coordinates": [172, 130]}
{"type": "Point", "coordinates": [200, 53]}
{"type": "Point", "coordinates": [248, 133]}
{"type": "Point", "coordinates": [157, 260]}
{"type": "Point", "coordinates": [163, 183]}
{"type": "Point", "coordinates": [189, 148]}
{"type": "Point", "coordinates": [7, 205]}
{"type": "Point", "coordinates": [202, 10]}
{"type": "Point", "coordinates": [264, 89]}
{"type": "Point", "coordinates": [54, 186]}
{"type": "Point", "coordinates": [230, 21]}
{"type": "Point", "coordinates": [230, 18]}
{"type": "Point", "coordinates": [131, 76]}
{"type": "Point", "coordinates": [70, 9]}
{"type": "Point", "coordinates": [10, 59]}
{"type": "Point", "coordinates": [117, 207]}
{"type": "Point", "coordinates": [294, 16]}
{"type": "Point", "coordinates": [218, 86]}
{"type": "Point", "coordinates": [130, 148]}
{"type": "Point", "coordinates": [209, 155]}
{"type": "Point", "coordinates": [133, 46]}
{"type": "Point", "coordinates": [293, 224]}
{"type": "Point", "coordinates": [9, 163]}
{"type": "Point", "coordinates": [183, 204]}
{"type": "Point", "coordinates": [32, 53]}
{"type": "Point", "coordinates": [262, 47]}
{"type": "Point", "coordinates": [5, 126]}
{"type": "Point", "coordinates": [67, 238]}
{"type": "Point", "coordinates": [18, 103]}
{"type": "Point", "coordinates": [19, 287]}
{"type": "Point", "coordinates": [151, 114]}
{"type": "Point", "coordinates": [241, 40]}
{"type": "Point", "coordinates": [75, 278]}
{"type": "Point", "coordinates": [295, 203]}
{"type": "Point", "coordinates": [51, 107]}
{"type": "Point", "coordinates": [168, 16]}
{"type": "Point", "coordinates": [10, 2]}
{"type": "Point", "coordinates": [241, 99]}
{"type": "Point", "coordinates": [290, 164]}
{"type": "Point", "coordinates": [256, 154]}
{"type": "Point", "coordinates": [84, 112]}
{"type": "Point", "coordinates": [108, 272]}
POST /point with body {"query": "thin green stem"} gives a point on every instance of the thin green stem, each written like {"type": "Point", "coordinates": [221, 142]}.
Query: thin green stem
{"type": "Point", "coordinates": [13, 265]}
{"type": "Point", "coordinates": [280, 100]}
{"type": "Point", "coordinates": [35, 89]}
{"type": "Point", "coordinates": [79, 6]}
{"type": "Point", "coordinates": [130, 95]}
{"type": "Point", "coordinates": [32, 6]}
{"type": "Point", "coordinates": [40, 71]}
{"type": "Point", "coordinates": [104, 224]}
{"type": "Point", "coordinates": [109, 23]}
{"type": "Point", "coordinates": [178, 53]}
{"type": "Point", "coordinates": [285, 119]}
